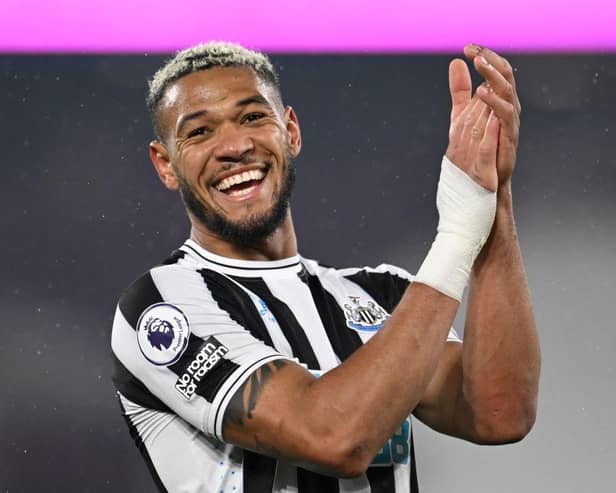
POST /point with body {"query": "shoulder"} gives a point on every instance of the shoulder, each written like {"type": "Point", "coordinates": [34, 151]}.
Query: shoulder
{"type": "Point", "coordinates": [385, 283]}
{"type": "Point", "coordinates": [153, 286]}
{"type": "Point", "coordinates": [384, 269]}
{"type": "Point", "coordinates": [368, 274]}
{"type": "Point", "coordinates": [178, 290]}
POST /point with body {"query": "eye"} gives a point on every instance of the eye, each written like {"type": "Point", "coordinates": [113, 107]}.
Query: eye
{"type": "Point", "coordinates": [198, 131]}
{"type": "Point", "coordinates": [251, 117]}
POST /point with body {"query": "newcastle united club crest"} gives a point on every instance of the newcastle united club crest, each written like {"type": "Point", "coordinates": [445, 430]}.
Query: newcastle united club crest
{"type": "Point", "coordinates": [364, 316]}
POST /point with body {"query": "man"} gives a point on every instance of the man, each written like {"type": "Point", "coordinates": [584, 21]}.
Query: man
{"type": "Point", "coordinates": [241, 366]}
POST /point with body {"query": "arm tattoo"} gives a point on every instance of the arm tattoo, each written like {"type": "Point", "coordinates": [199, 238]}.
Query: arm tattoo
{"type": "Point", "coordinates": [245, 400]}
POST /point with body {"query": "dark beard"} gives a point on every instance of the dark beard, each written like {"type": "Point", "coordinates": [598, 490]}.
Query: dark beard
{"type": "Point", "coordinates": [250, 231]}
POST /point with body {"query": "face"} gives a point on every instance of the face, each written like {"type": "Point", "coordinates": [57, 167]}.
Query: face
{"type": "Point", "coordinates": [228, 149]}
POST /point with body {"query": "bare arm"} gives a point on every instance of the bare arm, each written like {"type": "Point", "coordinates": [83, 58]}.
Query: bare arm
{"type": "Point", "coordinates": [337, 423]}
{"type": "Point", "coordinates": [487, 390]}
{"type": "Point", "coordinates": [501, 358]}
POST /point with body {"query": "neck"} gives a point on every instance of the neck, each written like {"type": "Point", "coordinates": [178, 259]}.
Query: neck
{"type": "Point", "coordinates": [281, 244]}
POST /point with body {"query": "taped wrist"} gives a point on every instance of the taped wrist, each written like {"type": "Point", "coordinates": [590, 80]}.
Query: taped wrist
{"type": "Point", "coordinates": [466, 214]}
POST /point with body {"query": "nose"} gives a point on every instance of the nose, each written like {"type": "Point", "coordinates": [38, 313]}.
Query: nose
{"type": "Point", "coordinates": [232, 144]}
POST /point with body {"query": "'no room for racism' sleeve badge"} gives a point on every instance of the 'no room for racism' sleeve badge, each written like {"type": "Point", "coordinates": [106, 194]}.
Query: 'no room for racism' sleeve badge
{"type": "Point", "coordinates": [162, 333]}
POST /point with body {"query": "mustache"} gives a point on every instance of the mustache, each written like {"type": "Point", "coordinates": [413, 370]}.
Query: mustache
{"type": "Point", "coordinates": [227, 165]}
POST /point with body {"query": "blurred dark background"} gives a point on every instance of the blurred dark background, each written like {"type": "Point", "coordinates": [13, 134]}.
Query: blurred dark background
{"type": "Point", "coordinates": [83, 214]}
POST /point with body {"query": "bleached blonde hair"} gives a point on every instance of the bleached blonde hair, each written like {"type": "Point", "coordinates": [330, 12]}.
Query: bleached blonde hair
{"type": "Point", "coordinates": [202, 57]}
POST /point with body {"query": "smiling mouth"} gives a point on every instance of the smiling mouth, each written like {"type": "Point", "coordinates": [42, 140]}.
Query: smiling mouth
{"type": "Point", "coordinates": [241, 184]}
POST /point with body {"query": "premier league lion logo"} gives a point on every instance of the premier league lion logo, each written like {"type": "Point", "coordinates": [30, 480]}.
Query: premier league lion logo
{"type": "Point", "coordinates": [160, 333]}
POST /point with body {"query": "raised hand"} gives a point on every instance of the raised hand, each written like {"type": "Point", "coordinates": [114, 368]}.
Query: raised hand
{"type": "Point", "coordinates": [499, 93]}
{"type": "Point", "coordinates": [474, 130]}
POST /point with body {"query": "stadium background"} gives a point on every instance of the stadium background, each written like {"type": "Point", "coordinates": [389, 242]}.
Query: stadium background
{"type": "Point", "coordinates": [83, 213]}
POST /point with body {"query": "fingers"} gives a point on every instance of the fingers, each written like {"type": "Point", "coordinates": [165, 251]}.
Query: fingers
{"type": "Point", "coordinates": [459, 132]}
{"type": "Point", "coordinates": [477, 131]}
{"type": "Point", "coordinates": [467, 134]}
{"type": "Point", "coordinates": [496, 70]}
{"type": "Point", "coordinates": [474, 142]}
{"type": "Point", "coordinates": [497, 82]}
{"type": "Point", "coordinates": [501, 64]}
{"type": "Point", "coordinates": [485, 172]}
{"type": "Point", "coordinates": [503, 109]}
{"type": "Point", "coordinates": [460, 87]}
{"type": "Point", "coordinates": [499, 93]}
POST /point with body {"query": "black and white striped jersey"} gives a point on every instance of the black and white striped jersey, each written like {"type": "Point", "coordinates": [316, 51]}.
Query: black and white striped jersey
{"type": "Point", "coordinates": [189, 332]}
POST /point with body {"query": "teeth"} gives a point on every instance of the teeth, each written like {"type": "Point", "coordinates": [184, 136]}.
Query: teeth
{"type": "Point", "coordinates": [255, 174]}
{"type": "Point", "coordinates": [240, 193]}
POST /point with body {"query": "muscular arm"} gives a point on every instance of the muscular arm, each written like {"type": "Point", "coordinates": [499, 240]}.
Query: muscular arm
{"type": "Point", "coordinates": [337, 423]}
{"type": "Point", "coordinates": [486, 390]}
{"type": "Point", "coordinates": [501, 357]}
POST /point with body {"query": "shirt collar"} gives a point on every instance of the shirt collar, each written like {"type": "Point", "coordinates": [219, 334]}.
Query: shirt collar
{"type": "Point", "coordinates": [244, 268]}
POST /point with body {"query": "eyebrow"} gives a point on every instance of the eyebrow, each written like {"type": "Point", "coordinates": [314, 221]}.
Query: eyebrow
{"type": "Point", "coordinates": [184, 119]}
{"type": "Point", "coordinates": [257, 98]}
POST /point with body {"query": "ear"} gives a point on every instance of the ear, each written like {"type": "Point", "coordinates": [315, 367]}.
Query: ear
{"type": "Point", "coordinates": [293, 131]}
{"type": "Point", "coordinates": [162, 164]}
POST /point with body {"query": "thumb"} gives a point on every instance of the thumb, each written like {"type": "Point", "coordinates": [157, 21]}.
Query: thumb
{"type": "Point", "coordinates": [460, 87]}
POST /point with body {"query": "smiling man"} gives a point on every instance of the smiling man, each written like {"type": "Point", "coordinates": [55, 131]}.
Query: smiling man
{"type": "Point", "coordinates": [242, 366]}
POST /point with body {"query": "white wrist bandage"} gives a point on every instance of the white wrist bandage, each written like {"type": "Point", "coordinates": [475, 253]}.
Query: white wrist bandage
{"type": "Point", "coordinates": [466, 214]}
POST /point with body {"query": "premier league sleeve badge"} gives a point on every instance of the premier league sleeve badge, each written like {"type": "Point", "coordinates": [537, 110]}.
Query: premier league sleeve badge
{"type": "Point", "coordinates": [162, 334]}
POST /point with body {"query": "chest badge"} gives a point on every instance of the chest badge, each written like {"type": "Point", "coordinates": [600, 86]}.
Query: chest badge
{"type": "Point", "coordinates": [365, 316]}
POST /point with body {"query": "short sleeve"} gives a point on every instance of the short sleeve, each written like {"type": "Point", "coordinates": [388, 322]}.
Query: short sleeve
{"type": "Point", "coordinates": [175, 349]}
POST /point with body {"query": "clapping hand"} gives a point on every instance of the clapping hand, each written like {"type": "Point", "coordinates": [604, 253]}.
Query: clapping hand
{"type": "Point", "coordinates": [484, 130]}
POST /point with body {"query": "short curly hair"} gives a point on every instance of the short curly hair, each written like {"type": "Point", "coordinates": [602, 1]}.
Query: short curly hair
{"type": "Point", "coordinates": [202, 57]}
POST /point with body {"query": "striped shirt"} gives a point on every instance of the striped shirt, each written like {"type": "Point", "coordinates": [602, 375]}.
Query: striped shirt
{"type": "Point", "coordinates": [189, 332]}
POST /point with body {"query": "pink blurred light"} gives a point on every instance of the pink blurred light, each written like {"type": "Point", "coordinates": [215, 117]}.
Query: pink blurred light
{"type": "Point", "coordinates": [154, 26]}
